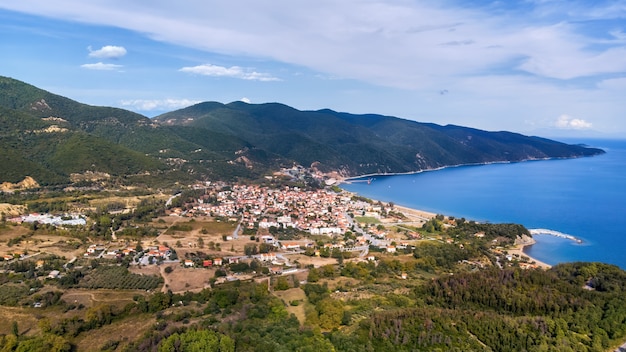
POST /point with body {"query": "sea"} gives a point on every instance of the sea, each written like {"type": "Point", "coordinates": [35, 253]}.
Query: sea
{"type": "Point", "coordinates": [582, 197]}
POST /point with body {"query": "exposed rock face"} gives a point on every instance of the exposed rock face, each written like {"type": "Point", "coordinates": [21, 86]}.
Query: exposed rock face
{"type": "Point", "coordinates": [26, 183]}
{"type": "Point", "coordinates": [524, 240]}
{"type": "Point", "coordinates": [40, 105]}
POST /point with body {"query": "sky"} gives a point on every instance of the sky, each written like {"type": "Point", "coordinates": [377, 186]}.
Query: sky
{"type": "Point", "coordinates": [542, 67]}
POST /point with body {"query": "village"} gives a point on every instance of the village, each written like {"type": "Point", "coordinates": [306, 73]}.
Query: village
{"type": "Point", "coordinates": [271, 231]}
{"type": "Point", "coordinates": [209, 239]}
{"type": "Point", "coordinates": [235, 232]}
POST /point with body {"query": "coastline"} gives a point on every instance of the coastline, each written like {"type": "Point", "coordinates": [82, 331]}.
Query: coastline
{"type": "Point", "coordinates": [517, 249]}
{"type": "Point", "coordinates": [529, 203]}
{"type": "Point", "coordinates": [373, 175]}
{"type": "Point", "coordinates": [421, 214]}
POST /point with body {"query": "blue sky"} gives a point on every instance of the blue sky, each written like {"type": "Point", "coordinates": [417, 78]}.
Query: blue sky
{"type": "Point", "coordinates": [544, 67]}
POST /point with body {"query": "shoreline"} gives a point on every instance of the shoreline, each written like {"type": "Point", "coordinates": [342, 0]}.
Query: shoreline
{"type": "Point", "coordinates": [422, 214]}
{"type": "Point", "coordinates": [357, 178]}
{"type": "Point", "coordinates": [518, 248]}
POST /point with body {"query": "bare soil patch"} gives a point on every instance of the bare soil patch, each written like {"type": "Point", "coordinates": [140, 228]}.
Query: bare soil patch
{"type": "Point", "coordinates": [11, 210]}
{"type": "Point", "coordinates": [186, 279]}
{"type": "Point", "coordinates": [315, 261]}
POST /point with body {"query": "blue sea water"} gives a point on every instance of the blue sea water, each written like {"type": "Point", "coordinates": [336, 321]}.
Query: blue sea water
{"type": "Point", "coordinates": [584, 197]}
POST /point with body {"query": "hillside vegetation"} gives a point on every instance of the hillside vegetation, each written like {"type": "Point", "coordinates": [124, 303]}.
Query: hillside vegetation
{"type": "Point", "coordinates": [364, 144]}
{"type": "Point", "coordinates": [50, 137]}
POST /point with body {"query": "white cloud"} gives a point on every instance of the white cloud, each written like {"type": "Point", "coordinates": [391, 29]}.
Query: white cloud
{"type": "Point", "coordinates": [245, 100]}
{"type": "Point", "coordinates": [503, 62]}
{"type": "Point", "coordinates": [613, 84]}
{"type": "Point", "coordinates": [569, 123]}
{"type": "Point", "coordinates": [158, 104]}
{"type": "Point", "coordinates": [397, 43]}
{"type": "Point", "coordinates": [107, 52]}
{"type": "Point", "coordinates": [100, 66]}
{"type": "Point", "coordinates": [233, 72]}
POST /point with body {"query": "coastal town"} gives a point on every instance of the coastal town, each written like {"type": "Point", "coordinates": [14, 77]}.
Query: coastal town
{"type": "Point", "coordinates": [282, 230]}
{"type": "Point", "coordinates": [188, 256]}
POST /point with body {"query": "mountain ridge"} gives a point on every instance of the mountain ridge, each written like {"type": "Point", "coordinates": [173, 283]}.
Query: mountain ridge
{"type": "Point", "coordinates": [386, 143]}
{"type": "Point", "coordinates": [50, 137]}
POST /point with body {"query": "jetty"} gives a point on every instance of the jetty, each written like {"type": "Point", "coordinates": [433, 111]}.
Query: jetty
{"type": "Point", "coordinates": [554, 233]}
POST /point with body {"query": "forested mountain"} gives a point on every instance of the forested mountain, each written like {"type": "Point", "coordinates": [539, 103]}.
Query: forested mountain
{"type": "Point", "coordinates": [50, 137]}
{"type": "Point", "coordinates": [363, 144]}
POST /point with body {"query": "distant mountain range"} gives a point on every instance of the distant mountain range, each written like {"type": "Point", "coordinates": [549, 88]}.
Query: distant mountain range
{"type": "Point", "coordinates": [52, 139]}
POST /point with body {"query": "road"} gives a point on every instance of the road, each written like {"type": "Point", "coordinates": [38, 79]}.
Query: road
{"type": "Point", "coordinates": [169, 201]}
{"type": "Point", "coordinates": [236, 232]}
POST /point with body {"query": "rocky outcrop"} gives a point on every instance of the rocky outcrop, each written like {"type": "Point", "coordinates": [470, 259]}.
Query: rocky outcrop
{"type": "Point", "coordinates": [26, 183]}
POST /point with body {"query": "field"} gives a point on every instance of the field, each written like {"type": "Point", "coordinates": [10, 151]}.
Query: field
{"type": "Point", "coordinates": [120, 333]}
{"type": "Point", "coordinates": [117, 277]}
{"type": "Point", "coordinates": [25, 317]}
{"type": "Point", "coordinates": [315, 261]}
{"type": "Point", "coordinates": [290, 295]}
{"type": "Point", "coordinates": [367, 220]}
{"type": "Point", "coordinates": [201, 235]}
{"type": "Point", "coordinates": [186, 279]}
{"type": "Point", "coordinates": [128, 202]}
{"type": "Point", "coordinates": [40, 241]}
{"type": "Point", "coordinates": [90, 298]}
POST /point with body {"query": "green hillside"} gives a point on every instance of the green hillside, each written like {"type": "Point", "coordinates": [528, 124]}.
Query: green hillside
{"type": "Point", "coordinates": [363, 144]}
{"type": "Point", "coordinates": [49, 137]}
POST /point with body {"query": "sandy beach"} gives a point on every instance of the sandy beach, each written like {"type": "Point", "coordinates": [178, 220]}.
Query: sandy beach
{"type": "Point", "coordinates": [519, 250]}
{"type": "Point", "coordinates": [415, 213]}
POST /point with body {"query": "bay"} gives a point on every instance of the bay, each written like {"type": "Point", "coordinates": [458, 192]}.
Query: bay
{"type": "Point", "coordinates": [583, 197]}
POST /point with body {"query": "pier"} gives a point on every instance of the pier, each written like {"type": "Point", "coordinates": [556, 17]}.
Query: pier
{"type": "Point", "coordinates": [554, 233]}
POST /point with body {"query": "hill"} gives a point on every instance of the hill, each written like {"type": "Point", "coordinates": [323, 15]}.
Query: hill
{"type": "Point", "coordinates": [50, 137]}
{"type": "Point", "coordinates": [364, 144]}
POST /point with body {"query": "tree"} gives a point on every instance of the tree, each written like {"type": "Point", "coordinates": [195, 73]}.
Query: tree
{"type": "Point", "coordinates": [250, 249]}
{"type": "Point", "coordinates": [330, 313]}
{"type": "Point", "coordinates": [281, 284]}
{"type": "Point", "coordinates": [197, 340]}
{"type": "Point", "coordinates": [200, 242]}
{"type": "Point", "coordinates": [314, 275]}
{"type": "Point", "coordinates": [265, 248]}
